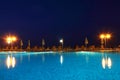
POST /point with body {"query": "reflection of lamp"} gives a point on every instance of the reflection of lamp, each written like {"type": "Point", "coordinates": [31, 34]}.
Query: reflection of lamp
{"type": "Point", "coordinates": [103, 63]}
{"type": "Point", "coordinates": [43, 58]}
{"type": "Point", "coordinates": [106, 62]}
{"type": "Point", "coordinates": [10, 61]}
{"type": "Point", "coordinates": [28, 57]}
{"type": "Point", "coordinates": [21, 58]}
{"type": "Point", "coordinates": [13, 62]}
{"type": "Point", "coordinates": [109, 63]}
{"type": "Point", "coordinates": [61, 59]}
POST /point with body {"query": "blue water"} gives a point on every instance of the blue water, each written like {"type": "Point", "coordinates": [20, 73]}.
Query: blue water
{"type": "Point", "coordinates": [59, 66]}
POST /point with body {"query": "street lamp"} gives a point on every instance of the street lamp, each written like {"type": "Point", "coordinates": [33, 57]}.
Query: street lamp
{"type": "Point", "coordinates": [10, 39]}
{"type": "Point", "coordinates": [61, 41]}
{"type": "Point", "coordinates": [107, 36]}
{"type": "Point", "coordinates": [104, 38]}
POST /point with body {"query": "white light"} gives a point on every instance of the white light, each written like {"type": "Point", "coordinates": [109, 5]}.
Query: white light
{"type": "Point", "coordinates": [106, 62]}
{"type": "Point", "coordinates": [13, 62]}
{"type": "Point", "coordinates": [61, 59]}
{"type": "Point", "coordinates": [109, 63]}
{"type": "Point", "coordinates": [61, 40]}
{"type": "Point", "coordinates": [103, 63]}
{"type": "Point", "coordinates": [8, 61]}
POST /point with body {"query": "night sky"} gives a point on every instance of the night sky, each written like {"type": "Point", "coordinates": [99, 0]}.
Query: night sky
{"type": "Point", "coordinates": [72, 20]}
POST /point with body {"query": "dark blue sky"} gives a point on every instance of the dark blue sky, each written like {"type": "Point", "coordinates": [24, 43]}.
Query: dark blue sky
{"type": "Point", "coordinates": [53, 19]}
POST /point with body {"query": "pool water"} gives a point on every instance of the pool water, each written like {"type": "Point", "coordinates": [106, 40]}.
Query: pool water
{"type": "Point", "coordinates": [59, 66]}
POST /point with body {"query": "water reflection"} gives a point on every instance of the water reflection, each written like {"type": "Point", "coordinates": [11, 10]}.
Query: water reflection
{"type": "Point", "coordinates": [106, 62]}
{"type": "Point", "coordinates": [21, 58]}
{"type": "Point", "coordinates": [61, 59]}
{"type": "Point", "coordinates": [43, 58]}
{"type": "Point", "coordinates": [10, 62]}
{"type": "Point", "coordinates": [109, 63]}
{"type": "Point", "coordinates": [28, 57]}
{"type": "Point", "coordinates": [87, 58]}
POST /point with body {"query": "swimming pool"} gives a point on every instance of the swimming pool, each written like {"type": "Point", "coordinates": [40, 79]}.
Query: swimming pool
{"type": "Point", "coordinates": [59, 66]}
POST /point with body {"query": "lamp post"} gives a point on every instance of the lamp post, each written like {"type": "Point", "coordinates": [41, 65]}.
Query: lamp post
{"type": "Point", "coordinates": [61, 41]}
{"type": "Point", "coordinates": [104, 38]}
{"type": "Point", "coordinates": [102, 41]}
{"type": "Point", "coordinates": [108, 36]}
{"type": "Point", "coordinates": [11, 39]}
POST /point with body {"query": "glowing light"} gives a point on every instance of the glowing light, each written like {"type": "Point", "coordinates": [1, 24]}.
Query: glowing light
{"type": "Point", "coordinates": [102, 36]}
{"type": "Point", "coordinates": [10, 39]}
{"type": "Point", "coordinates": [14, 38]}
{"type": "Point", "coordinates": [109, 63]}
{"type": "Point", "coordinates": [61, 40]}
{"type": "Point", "coordinates": [10, 62]}
{"type": "Point", "coordinates": [103, 63]}
{"type": "Point", "coordinates": [108, 36]}
{"type": "Point", "coordinates": [13, 62]}
{"type": "Point", "coordinates": [105, 36]}
{"type": "Point", "coordinates": [8, 42]}
{"type": "Point", "coordinates": [106, 62]}
{"type": "Point", "coordinates": [61, 59]}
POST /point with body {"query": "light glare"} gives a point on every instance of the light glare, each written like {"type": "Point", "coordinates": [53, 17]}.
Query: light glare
{"type": "Point", "coordinates": [61, 40]}
{"type": "Point", "coordinates": [10, 62]}
{"type": "Point", "coordinates": [10, 39]}
{"type": "Point", "coordinates": [102, 36]}
{"type": "Point", "coordinates": [106, 62]}
{"type": "Point", "coordinates": [108, 36]}
{"type": "Point", "coordinates": [105, 36]}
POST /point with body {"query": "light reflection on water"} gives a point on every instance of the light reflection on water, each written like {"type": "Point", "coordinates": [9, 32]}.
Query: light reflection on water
{"type": "Point", "coordinates": [10, 62]}
{"type": "Point", "coordinates": [61, 59]}
{"type": "Point", "coordinates": [28, 57]}
{"type": "Point", "coordinates": [64, 64]}
{"type": "Point", "coordinates": [21, 58]}
{"type": "Point", "coordinates": [43, 58]}
{"type": "Point", "coordinates": [106, 62]}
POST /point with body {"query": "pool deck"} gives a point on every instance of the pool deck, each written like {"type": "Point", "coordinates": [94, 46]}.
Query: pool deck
{"type": "Point", "coordinates": [72, 50]}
